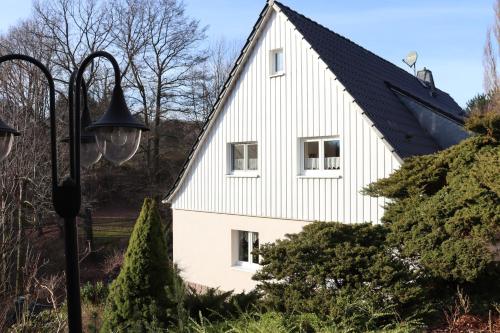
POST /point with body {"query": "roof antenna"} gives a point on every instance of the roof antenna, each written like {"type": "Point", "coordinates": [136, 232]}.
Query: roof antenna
{"type": "Point", "coordinates": [411, 61]}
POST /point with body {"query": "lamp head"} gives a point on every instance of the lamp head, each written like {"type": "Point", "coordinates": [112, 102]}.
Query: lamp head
{"type": "Point", "coordinates": [117, 132]}
{"type": "Point", "coordinates": [89, 151]}
{"type": "Point", "coordinates": [7, 135]}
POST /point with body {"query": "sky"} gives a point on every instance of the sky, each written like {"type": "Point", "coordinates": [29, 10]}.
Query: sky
{"type": "Point", "coordinates": [448, 35]}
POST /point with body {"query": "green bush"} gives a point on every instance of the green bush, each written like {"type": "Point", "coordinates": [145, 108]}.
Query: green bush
{"type": "Point", "coordinates": [484, 114]}
{"type": "Point", "coordinates": [94, 293]}
{"type": "Point", "coordinates": [214, 304]}
{"type": "Point", "coordinates": [277, 322]}
{"type": "Point", "coordinates": [444, 216]}
{"type": "Point", "coordinates": [138, 298]}
{"type": "Point", "coordinates": [340, 272]}
{"type": "Point", "coordinates": [47, 321]}
{"type": "Point", "coordinates": [248, 323]}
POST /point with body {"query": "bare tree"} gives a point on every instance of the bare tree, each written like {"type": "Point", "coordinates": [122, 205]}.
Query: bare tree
{"type": "Point", "coordinates": [208, 79]}
{"type": "Point", "coordinates": [25, 175]}
{"type": "Point", "coordinates": [161, 48]}
{"type": "Point", "coordinates": [130, 38]}
{"type": "Point", "coordinates": [492, 54]}
{"type": "Point", "coordinates": [72, 29]}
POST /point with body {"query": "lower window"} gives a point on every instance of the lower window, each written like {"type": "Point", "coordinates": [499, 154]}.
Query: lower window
{"type": "Point", "coordinates": [248, 241]}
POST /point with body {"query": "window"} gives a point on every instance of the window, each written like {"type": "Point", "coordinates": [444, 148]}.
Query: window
{"type": "Point", "coordinates": [311, 155]}
{"type": "Point", "coordinates": [320, 155]}
{"type": "Point", "coordinates": [244, 157]}
{"type": "Point", "coordinates": [277, 63]}
{"type": "Point", "coordinates": [332, 154]}
{"type": "Point", "coordinates": [247, 242]}
{"type": "Point", "coordinates": [238, 152]}
{"type": "Point", "coordinates": [252, 156]}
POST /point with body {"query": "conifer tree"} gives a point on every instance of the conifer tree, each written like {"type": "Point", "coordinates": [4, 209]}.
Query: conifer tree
{"type": "Point", "coordinates": [444, 213]}
{"type": "Point", "coordinates": [138, 300]}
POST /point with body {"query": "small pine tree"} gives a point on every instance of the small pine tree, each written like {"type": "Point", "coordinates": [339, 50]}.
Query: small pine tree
{"type": "Point", "coordinates": [138, 298]}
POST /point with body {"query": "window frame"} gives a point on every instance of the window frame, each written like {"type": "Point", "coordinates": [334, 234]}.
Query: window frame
{"type": "Point", "coordinates": [246, 171]}
{"type": "Point", "coordinates": [321, 172]}
{"type": "Point", "coordinates": [245, 265]}
{"type": "Point", "coordinates": [272, 62]}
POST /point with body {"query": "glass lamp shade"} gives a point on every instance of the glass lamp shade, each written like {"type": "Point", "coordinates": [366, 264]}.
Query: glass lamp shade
{"type": "Point", "coordinates": [117, 132]}
{"type": "Point", "coordinates": [118, 144]}
{"type": "Point", "coordinates": [89, 153]}
{"type": "Point", "coordinates": [6, 140]}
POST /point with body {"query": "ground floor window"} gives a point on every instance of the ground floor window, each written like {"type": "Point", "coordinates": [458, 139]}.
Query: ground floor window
{"type": "Point", "coordinates": [248, 241]}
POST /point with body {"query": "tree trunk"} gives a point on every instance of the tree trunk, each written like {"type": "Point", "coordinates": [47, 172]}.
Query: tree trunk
{"type": "Point", "coordinates": [19, 243]}
{"type": "Point", "coordinates": [3, 262]}
{"type": "Point", "coordinates": [148, 141]}
{"type": "Point", "coordinates": [156, 133]}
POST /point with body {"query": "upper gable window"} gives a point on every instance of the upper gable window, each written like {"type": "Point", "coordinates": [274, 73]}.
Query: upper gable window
{"type": "Point", "coordinates": [277, 62]}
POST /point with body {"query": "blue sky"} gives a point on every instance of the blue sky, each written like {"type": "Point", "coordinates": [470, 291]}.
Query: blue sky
{"type": "Point", "coordinates": [448, 34]}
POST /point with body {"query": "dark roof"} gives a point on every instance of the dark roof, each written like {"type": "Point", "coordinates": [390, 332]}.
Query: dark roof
{"type": "Point", "coordinates": [369, 78]}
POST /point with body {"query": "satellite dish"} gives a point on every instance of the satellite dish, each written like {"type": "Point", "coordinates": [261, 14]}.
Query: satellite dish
{"type": "Point", "coordinates": [411, 59]}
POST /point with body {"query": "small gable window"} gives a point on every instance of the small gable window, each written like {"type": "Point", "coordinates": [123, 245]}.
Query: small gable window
{"type": "Point", "coordinates": [277, 62]}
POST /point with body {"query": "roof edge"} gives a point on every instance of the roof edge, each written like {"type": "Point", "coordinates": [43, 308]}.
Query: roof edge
{"type": "Point", "coordinates": [454, 118]}
{"type": "Point", "coordinates": [227, 87]}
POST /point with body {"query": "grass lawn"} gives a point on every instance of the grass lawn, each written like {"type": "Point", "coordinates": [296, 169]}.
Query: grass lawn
{"type": "Point", "coordinates": [110, 228]}
{"type": "Point", "coordinates": [109, 232]}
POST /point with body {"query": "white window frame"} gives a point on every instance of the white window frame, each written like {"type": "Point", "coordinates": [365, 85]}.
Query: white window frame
{"type": "Point", "coordinates": [320, 172]}
{"type": "Point", "coordinates": [244, 172]}
{"type": "Point", "coordinates": [244, 265]}
{"type": "Point", "coordinates": [272, 63]}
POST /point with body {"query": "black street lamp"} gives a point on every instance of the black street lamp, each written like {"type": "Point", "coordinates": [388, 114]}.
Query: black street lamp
{"type": "Point", "coordinates": [116, 135]}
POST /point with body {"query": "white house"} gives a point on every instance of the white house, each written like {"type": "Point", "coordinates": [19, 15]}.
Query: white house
{"type": "Point", "coordinates": [306, 119]}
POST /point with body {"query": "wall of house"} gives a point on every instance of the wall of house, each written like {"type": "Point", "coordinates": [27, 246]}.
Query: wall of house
{"type": "Point", "coordinates": [307, 101]}
{"type": "Point", "coordinates": [205, 251]}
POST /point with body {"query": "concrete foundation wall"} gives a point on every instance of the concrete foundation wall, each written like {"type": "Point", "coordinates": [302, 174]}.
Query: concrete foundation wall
{"type": "Point", "coordinates": [205, 247]}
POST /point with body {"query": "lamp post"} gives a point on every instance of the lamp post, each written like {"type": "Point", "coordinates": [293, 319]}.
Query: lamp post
{"type": "Point", "coordinates": [116, 135]}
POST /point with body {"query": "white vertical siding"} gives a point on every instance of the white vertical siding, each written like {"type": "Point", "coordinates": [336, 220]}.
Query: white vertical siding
{"type": "Point", "coordinates": [307, 101]}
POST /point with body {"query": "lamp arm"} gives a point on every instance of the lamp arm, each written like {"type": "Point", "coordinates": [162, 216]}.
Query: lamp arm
{"type": "Point", "coordinates": [77, 114]}
{"type": "Point", "coordinates": [71, 101]}
{"type": "Point", "coordinates": [71, 113]}
{"type": "Point", "coordinates": [52, 98]}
